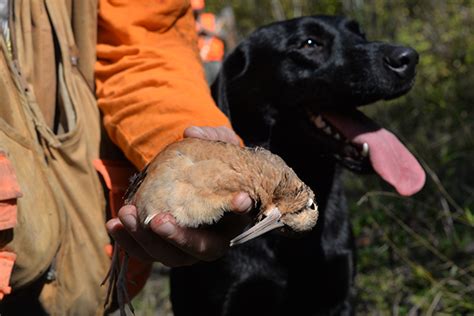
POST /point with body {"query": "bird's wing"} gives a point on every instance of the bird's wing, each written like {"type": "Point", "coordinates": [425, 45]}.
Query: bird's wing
{"type": "Point", "coordinates": [194, 191]}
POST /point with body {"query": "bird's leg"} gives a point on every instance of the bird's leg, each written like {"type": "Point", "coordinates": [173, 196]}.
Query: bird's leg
{"type": "Point", "coordinates": [117, 277]}
{"type": "Point", "coordinates": [123, 298]}
{"type": "Point", "coordinates": [270, 222]}
{"type": "Point", "coordinates": [111, 276]}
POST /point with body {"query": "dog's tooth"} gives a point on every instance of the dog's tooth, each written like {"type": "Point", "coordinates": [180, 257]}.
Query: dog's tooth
{"type": "Point", "coordinates": [337, 136]}
{"type": "Point", "coordinates": [365, 150]}
{"type": "Point", "coordinates": [319, 122]}
{"type": "Point", "coordinates": [327, 130]}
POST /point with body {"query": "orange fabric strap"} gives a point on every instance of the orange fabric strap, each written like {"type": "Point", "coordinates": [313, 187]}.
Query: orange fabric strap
{"type": "Point", "coordinates": [9, 193]}
{"type": "Point", "coordinates": [7, 259]}
{"type": "Point", "coordinates": [116, 175]}
{"type": "Point", "coordinates": [9, 187]}
{"type": "Point", "coordinates": [8, 216]}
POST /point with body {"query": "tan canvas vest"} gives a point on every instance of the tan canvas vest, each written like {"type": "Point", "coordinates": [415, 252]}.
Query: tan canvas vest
{"type": "Point", "coordinates": [59, 233]}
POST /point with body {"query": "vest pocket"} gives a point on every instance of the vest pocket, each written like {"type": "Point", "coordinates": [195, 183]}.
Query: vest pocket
{"type": "Point", "coordinates": [30, 218]}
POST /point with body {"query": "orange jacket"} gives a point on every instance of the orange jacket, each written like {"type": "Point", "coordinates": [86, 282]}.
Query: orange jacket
{"type": "Point", "coordinates": [150, 81]}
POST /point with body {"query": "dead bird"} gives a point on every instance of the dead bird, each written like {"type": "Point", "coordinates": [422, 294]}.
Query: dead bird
{"type": "Point", "coordinates": [195, 180]}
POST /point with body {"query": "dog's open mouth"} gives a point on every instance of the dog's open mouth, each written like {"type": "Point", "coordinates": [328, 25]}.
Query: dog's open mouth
{"type": "Point", "coordinates": [363, 143]}
{"type": "Point", "coordinates": [354, 157]}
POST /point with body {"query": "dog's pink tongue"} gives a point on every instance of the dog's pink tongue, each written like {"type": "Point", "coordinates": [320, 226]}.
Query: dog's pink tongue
{"type": "Point", "coordinates": [389, 157]}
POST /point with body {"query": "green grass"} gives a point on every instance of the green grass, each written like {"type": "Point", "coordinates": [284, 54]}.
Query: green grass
{"type": "Point", "coordinates": [154, 298]}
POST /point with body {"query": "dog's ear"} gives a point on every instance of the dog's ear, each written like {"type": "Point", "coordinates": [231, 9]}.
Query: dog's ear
{"type": "Point", "coordinates": [239, 92]}
{"type": "Point", "coordinates": [234, 67]}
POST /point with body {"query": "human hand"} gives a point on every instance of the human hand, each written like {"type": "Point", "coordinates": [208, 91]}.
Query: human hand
{"type": "Point", "coordinates": [221, 133]}
{"type": "Point", "coordinates": [170, 244]}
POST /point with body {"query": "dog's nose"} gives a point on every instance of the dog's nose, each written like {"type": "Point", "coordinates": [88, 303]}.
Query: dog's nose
{"type": "Point", "coordinates": [402, 61]}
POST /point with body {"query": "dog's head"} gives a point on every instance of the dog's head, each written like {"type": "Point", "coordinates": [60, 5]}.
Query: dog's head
{"type": "Point", "coordinates": [318, 70]}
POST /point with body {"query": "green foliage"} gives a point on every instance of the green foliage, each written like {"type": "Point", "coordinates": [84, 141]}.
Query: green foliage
{"type": "Point", "coordinates": [251, 14]}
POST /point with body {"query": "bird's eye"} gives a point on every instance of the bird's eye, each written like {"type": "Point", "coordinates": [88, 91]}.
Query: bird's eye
{"type": "Point", "coordinates": [311, 43]}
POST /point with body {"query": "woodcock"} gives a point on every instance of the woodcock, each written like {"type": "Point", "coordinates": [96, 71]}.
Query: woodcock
{"type": "Point", "coordinates": [196, 179]}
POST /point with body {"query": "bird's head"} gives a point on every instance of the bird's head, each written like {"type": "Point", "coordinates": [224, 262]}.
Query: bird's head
{"type": "Point", "coordinates": [292, 209]}
{"type": "Point", "coordinates": [294, 200]}
{"type": "Point", "coordinates": [300, 219]}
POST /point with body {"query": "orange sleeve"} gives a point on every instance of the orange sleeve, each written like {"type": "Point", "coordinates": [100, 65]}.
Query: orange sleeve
{"type": "Point", "coordinates": [150, 81]}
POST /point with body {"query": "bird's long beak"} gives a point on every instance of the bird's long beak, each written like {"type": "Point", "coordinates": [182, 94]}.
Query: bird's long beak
{"type": "Point", "coordinates": [270, 222]}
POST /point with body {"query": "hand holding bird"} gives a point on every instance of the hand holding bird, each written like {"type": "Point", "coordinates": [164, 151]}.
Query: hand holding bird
{"type": "Point", "coordinates": [196, 180]}
{"type": "Point", "coordinates": [173, 245]}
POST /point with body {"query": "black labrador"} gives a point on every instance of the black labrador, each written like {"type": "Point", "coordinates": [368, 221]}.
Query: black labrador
{"type": "Point", "coordinates": [293, 87]}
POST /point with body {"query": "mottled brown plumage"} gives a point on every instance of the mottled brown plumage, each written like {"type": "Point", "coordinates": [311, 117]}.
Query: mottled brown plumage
{"type": "Point", "coordinates": [196, 180]}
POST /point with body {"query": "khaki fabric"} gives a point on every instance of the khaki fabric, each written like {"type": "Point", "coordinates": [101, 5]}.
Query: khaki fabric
{"type": "Point", "coordinates": [34, 39]}
{"type": "Point", "coordinates": [61, 217]}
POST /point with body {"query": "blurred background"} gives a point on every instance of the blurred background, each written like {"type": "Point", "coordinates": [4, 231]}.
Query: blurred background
{"type": "Point", "coordinates": [415, 255]}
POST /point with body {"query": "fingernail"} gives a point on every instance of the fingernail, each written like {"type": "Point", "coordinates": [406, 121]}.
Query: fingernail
{"type": "Point", "coordinates": [166, 229]}
{"type": "Point", "coordinates": [242, 202]}
{"type": "Point", "coordinates": [111, 224]}
{"type": "Point", "coordinates": [196, 130]}
{"type": "Point", "coordinates": [129, 221]}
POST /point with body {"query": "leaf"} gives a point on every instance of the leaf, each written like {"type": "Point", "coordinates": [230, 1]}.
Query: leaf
{"type": "Point", "coordinates": [469, 216]}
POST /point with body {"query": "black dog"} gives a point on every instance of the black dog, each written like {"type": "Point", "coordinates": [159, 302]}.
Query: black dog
{"type": "Point", "coordinates": [293, 87]}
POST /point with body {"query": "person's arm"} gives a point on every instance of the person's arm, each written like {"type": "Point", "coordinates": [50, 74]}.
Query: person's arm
{"type": "Point", "coordinates": [150, 81]}
{"type": "Point", "coordinates": [150, 88]}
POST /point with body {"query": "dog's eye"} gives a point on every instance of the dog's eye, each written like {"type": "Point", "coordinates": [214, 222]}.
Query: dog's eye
{"type": "Point", "coordinates": [311, 43]}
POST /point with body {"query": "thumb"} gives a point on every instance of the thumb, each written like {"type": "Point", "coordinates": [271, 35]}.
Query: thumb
{"type": "Point", "coordinates": [221, 133]}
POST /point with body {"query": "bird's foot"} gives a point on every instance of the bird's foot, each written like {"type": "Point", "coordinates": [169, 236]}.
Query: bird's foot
{"type": "Point", "coordinates": [117, 279]}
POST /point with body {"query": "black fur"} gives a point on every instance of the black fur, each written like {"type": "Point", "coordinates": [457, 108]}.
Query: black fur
{"type": "Point", "coordinates": [268, 86]}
